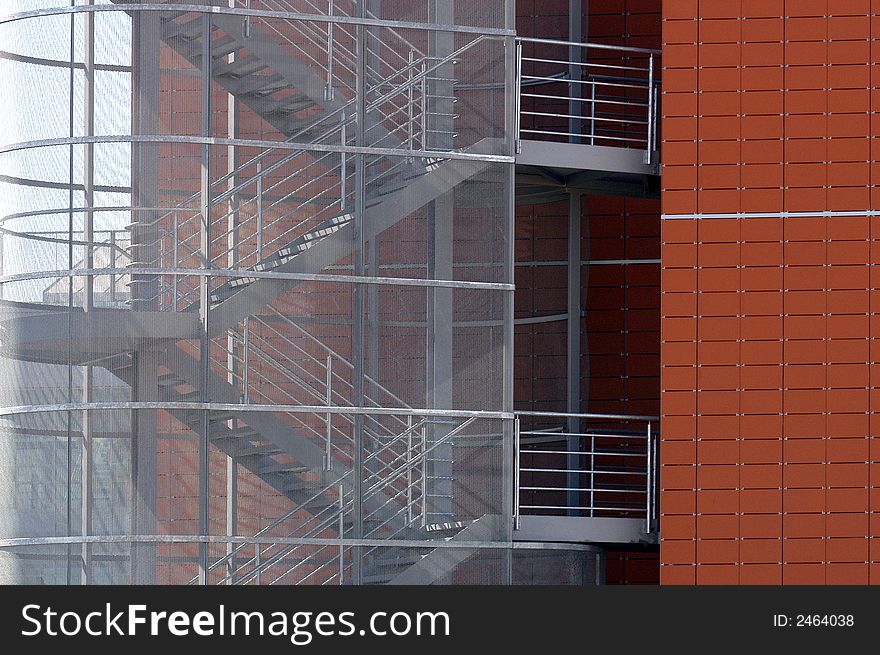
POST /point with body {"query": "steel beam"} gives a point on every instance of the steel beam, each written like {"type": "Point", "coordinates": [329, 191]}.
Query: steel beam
{"type": "Point", "coordinates": [573, 396]}
{"type": "Point", "coordinates": [146, 41]}
{"type": "Point", "coordinates": [204, 297]}
{"type": "Point", "coordinates": [233, 262]}
{"type": "Point", "coordinates": [441, 218]}
{"type": "Point", "coordinates": [359, 305]}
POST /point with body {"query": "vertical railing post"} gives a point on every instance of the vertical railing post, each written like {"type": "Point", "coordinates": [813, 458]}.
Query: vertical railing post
{"type": "Point", "coordinates": [655, 485]}
{"type": "Point", "coordinates": [409, 476]}
{"type": "Point", "coordinates": [343, 188]}
{"type": "Point", "coordinates": [424, 107]}
{"type": "Point", "coordinates": [593, 114]}
{"type": "Point", "coordinates": [656, 118]}
{"type": "Point", "coordinates": [245, 360]}
{"type": "Point", "coordinates": [592, 472]}
{"type": "Point", "coordinates": [341, 532]}
{"type": "Point", "coordinates": [650, 137]}
{"type": "Point", "coordinates": [257, 564]}
{"type": "Point", "coordinates": [424, 477]}
{"type": "Point", "coordinates": [259, 211]}
{"type": "Point", "coordinates": [246, 21]}
{"type": "Point", "coordinates": [328, 453]}
{"type": "Point", "coordinates": [518, 98]}
{"type": "Point", "coordinates": [328, 90]}
{"type": "Point", "coordinates": [649, 481]}
{"type": "Point", "coordinates": [113, 261]}
{"type": "Point", "coordinates": [516, 472]}
{"type": "Point", "coordinates": [409, 103]}
{"type": "Point", "coordinates": [175, 240]}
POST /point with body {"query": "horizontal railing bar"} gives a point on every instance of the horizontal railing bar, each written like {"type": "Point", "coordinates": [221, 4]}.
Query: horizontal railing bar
{"type": "Point", "coordinates": [635, 509]}
{"type": "Point", "coordinates": [588, 453]}
{"type": "Point", "coordinates": [622, 417]}
{"type": "Point", "coordinates": [585, 118]}
{"type": "Point", "coordinates": [581, 471]}
{"type": "Point", "coordinates": [584, 136]}
{"type": "Point", "coordinates": [598, 101]}
{"type": "Point", "coordinates": [585, 489]}
{"type": "Point", "coordinates": [580, 44]}
{"type": "Point", "coordinates": [557, 80]}
{"type": "Point", "coordinates": [586, 64]}
{"type": "Point", "coordinates": [615, 435]}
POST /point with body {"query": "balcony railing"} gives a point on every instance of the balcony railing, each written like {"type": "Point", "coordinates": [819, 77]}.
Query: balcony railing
{"type": "Point", "coordinates": [588, 94]}
{"type": "Point", "coordinates": [606, 467]}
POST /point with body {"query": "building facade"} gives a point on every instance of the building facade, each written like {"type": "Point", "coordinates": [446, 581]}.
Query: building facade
{"type": "Point", "coordinates": [328, 293]}
{"type": "Point", "coordinates": [769, 264]}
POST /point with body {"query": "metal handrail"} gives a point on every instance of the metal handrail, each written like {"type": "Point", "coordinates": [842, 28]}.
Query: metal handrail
{"type": "Point", "coordinates": [637, 130]}
{"type": "Point", "coordinates": [590, 470]}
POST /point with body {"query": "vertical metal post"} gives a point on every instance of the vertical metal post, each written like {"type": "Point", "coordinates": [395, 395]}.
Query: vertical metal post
{"type": "Point", "coordinates": [575, 70]}
{"type": "Point", "coordinates": [424, 107]}
{"type": "Point", "coordinates": [343, 182]}
{"type": "Point", "coordinates": [245, 360]}
{"type": "Point", "coordinates": [341, 533]}
{"type": "Point", "coordinates": [592, 114]}
{"type": "Point", "coordinates": [204, 296]}
{"type": "Point", "coordinates": [246, 22]}
{"type": "Point", "coordinates": [328, 90]}
{"type": "Point", "coordinates": [424, 477]}
{"type": "Point", "coordinates": [359, 300]}
{"type": "Point", "coordinates": [650, 138]}
{"type": "Point", "coordinates": [648, 481]}
{"type": "Point", "coordinates": [175, 238]}
{"type": "Point", "coordinates": [114, 259]}
{"type": "Point", "coordinates": [146, 40]}
{"type": "Point", "coordinates": [573, 400]}
{"type": "Point", "coordinates": [410, 112]}
{"type": "Point", "coordinates": [328, 453]}
{"type": "Point", "coordinates": [86, 459]}
{"type": "Point", "coordinates": [233, 262]}
{"type": "Point", "coordinates": [518, 99]}
{"type": "Point", "coordinates": [258, 565]}
{"type": "Point", "coordinates": [509, 501]}
{"type": "Point", "coordinates": [601, 565]}
{"type": "Point", "coordinates": [409, 476]}
{"type": "Point", "coordinates": [656, 119]}
{"type": "Point", "coordinates": [517, 464]}
{"type": "Point", "coordinates": [259, 192]}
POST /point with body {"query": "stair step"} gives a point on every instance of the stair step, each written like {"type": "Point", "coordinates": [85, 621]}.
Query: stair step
{"type": "Point", "coordinates": [297, 484]}
{"type": "Point", "coordinates": [259, 85]}
{"type": "Point", "coordinates": [239, 68]}
{"type": "Point", "coordinates": [274, 467]}
{"type": "Point", "coordinates": [169, 380]}
{"type": "Point", "coordinates": [290, 103]}
{"type": "Point", "coordinates": [224, 46]}
{"type": "Point", "coordinates": [240, 447]}
{"type": "Point", "coordinates": [222, 416]}
{"type": "Point", "coordinates": [191, 29]}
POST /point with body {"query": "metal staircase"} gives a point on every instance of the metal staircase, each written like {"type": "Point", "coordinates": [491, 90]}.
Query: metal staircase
{"type": "Point", "coordinates": [293, 213]}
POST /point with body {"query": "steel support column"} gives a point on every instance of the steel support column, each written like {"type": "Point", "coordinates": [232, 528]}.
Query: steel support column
{"type": "Point", "coordinates": [441, 216]}
{"type": "Point", "coordinates": [146, 44]}
{"type": "Point", "coordinates": [508, 452]}
{"type": "Point", "coordinates": [359, 305]}
{"type": "Point", "coordinates": [573, 395]}
{"type": "Point", "coordinates": [88, 300]}
{"type": "Point", "coordinates": [233, 261]}
{"type": "Point", "coordinates": [204, 298]}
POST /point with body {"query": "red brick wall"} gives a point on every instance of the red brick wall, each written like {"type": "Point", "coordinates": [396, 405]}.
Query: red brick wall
{"type": "Point", "coordinates": [768, 329]}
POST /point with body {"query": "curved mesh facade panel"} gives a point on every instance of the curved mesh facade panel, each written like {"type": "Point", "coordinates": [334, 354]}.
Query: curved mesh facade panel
{"type": "Point", "coordinates": [255, 292]}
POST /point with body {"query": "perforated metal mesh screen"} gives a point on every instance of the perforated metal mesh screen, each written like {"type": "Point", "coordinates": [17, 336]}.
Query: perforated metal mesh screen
{"type": "Point", "coordinates": [256, 286]}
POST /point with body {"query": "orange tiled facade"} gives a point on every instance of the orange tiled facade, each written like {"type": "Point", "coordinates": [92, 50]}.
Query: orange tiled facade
{"type": "Point", "coordinates": [769, 328]}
